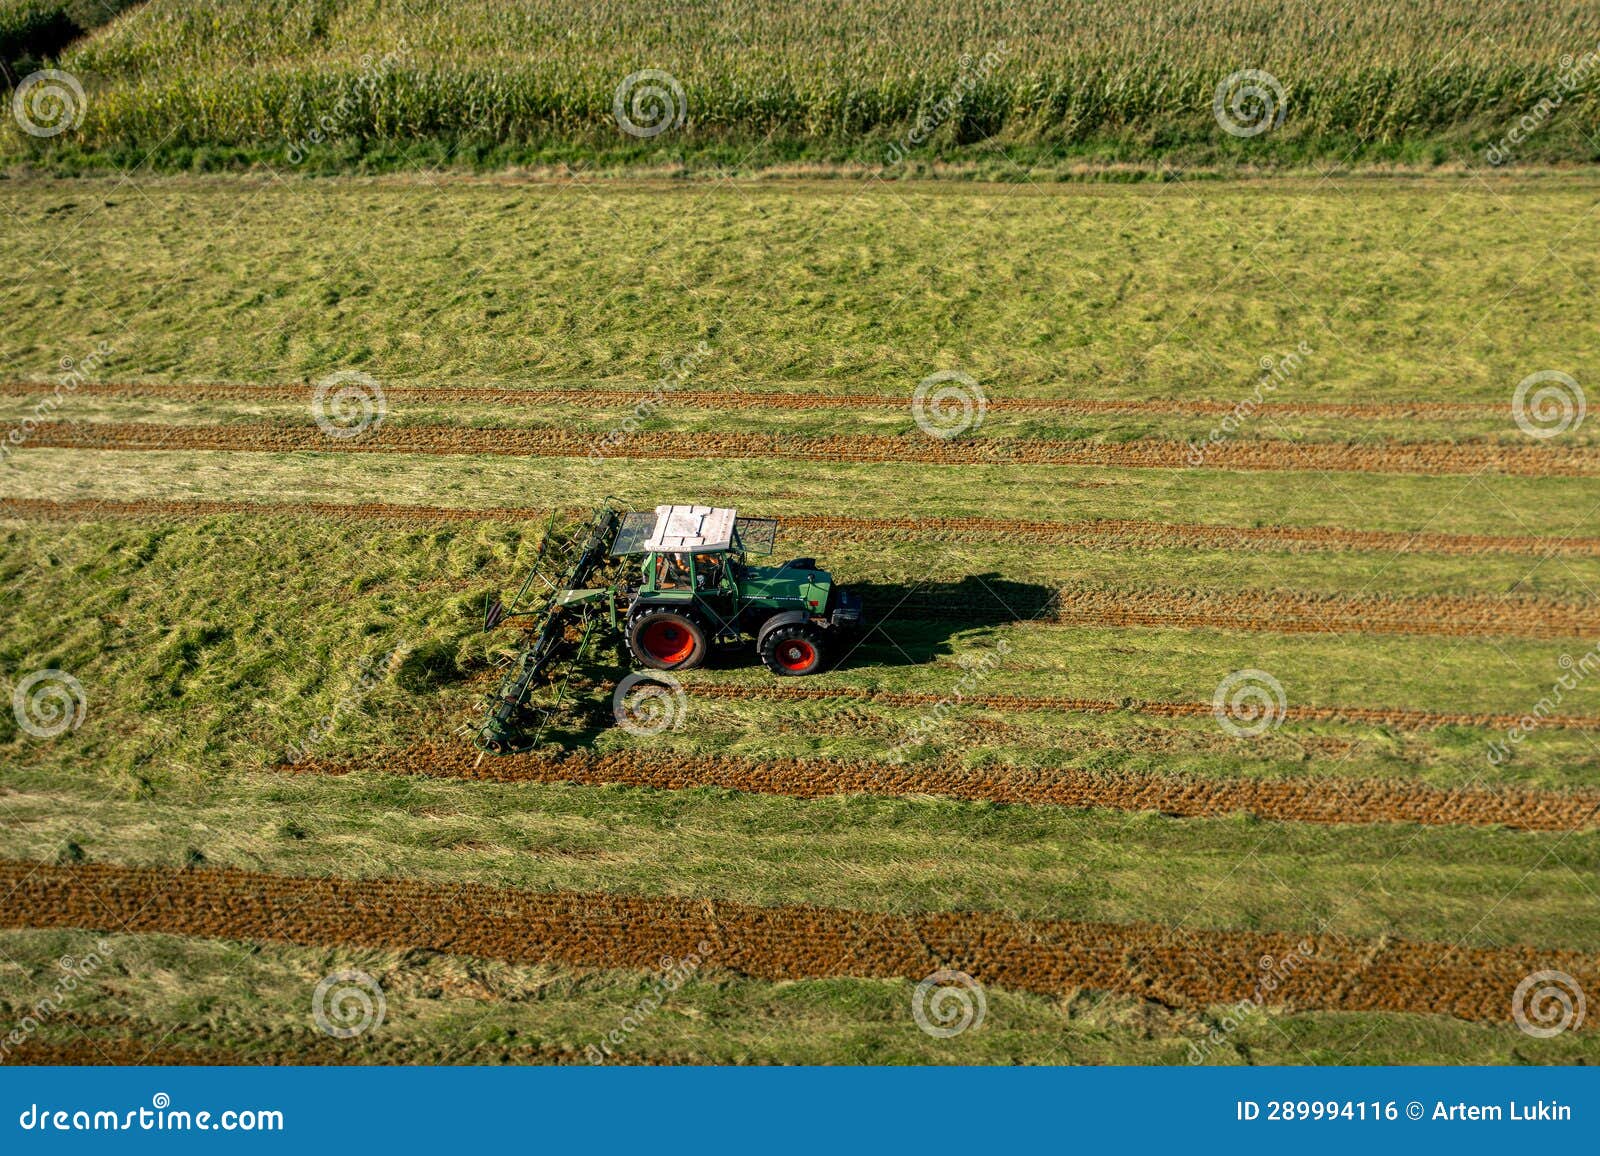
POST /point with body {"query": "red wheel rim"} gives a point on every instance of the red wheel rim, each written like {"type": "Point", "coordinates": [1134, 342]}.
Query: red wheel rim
{"type": "Point", "coordinates": [796, 654]}
{"type": "Point", "coordinates": [666, 641]}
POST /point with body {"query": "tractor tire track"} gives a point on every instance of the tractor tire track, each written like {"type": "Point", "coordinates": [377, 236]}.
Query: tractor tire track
{"type": "Point", "coordinates": [1177, 967]}
{"type": "Point", "coordinates": [1431, 458]}
{"type": "Point", "coordinates": [1017, 703]}
{"type": "Point", "coordinates": [736, 399]}
{"type": "Point", "coordinates": [1109, 533]}
{"type": "Point", "coordinates": [1305, 799]}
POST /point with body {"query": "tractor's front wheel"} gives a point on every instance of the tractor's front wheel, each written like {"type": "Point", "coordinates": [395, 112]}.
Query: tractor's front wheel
{"type": "Point", "coordinates": [790, 651]}
{"type": "Point", "coordinates": [666, 639]}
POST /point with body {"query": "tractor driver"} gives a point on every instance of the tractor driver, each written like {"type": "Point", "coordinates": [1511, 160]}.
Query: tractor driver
{"type": "Point", "coordinates": [673, 570]}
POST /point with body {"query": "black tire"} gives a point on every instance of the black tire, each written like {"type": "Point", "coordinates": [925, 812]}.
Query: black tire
{"type": "Point", "coordinates": [794, 651]}
{"type": "Point", "coordinates": [663, 638]}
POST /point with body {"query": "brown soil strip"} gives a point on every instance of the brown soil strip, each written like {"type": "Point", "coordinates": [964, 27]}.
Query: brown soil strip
{"type": "Point", "coordinates": [1172, 966]}
{"type": "Point", "coordinates": [1303, 799]}
{"type": "Point", "coordinates": [1106, 533]}
{"type": "Point", "coordinates": [1270, 611]}
{"type": "Point", "coordinates": [1151, 453]}
{"type": "Point", "coordinates": [1379, 716]}
{"type": "Point", "coordinates": [615, 397]}
{"type": "Point", "coordinates": [1282, 612]}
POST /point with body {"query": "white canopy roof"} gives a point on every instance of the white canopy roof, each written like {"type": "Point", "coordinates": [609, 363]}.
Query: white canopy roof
{"type": "Point", "coordinates": [691, 528]}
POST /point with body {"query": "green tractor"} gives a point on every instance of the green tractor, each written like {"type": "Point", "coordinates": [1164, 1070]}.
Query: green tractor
{"type": "Point", "coordinates": [678, 582]}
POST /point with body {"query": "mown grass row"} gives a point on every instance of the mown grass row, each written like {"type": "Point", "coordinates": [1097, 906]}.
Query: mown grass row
{"type": "Point", "coordinates": [208, 646]}
{"type": "Point", "coordinates": [248, 1002]}
{"type": "Point", "coordinates": [1402, 291]}
{"type": "Point", "coordinates": [351, 82]}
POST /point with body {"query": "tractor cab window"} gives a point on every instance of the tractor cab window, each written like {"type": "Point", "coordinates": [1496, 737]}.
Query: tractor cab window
{"type": "Point", "coordinates": [672, 571]}
{"type": "Point", "coordinates": [707, 571]}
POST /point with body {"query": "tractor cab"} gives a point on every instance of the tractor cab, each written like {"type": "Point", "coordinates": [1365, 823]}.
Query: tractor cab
{"type": "Point", "coordinates": [698, 589]}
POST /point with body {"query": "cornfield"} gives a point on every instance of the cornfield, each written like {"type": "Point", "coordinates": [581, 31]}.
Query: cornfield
{"type": "Point", "coordinates": [1126, 80]}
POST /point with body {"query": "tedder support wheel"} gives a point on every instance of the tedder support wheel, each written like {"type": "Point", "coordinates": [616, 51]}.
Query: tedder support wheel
{"type": "Point", "coordinates": [794, 650]}
{"type": "Point", "coordinates": [666, 639]}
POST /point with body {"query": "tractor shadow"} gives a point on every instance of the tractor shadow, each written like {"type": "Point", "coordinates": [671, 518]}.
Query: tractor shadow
{"type": "Point", "coordinates": [912, 624]}
{"type": "Point", "coordinates": [904, 624]}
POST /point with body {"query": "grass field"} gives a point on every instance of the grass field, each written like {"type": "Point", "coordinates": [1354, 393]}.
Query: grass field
{"type": "Point", "coordinates": [1312, 440]}
{"type": "Point", "coordinates": [980, 88]}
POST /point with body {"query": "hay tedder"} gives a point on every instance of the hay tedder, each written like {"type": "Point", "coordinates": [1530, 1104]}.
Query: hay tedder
{"type": "Point", "coordinates": [675, 582]}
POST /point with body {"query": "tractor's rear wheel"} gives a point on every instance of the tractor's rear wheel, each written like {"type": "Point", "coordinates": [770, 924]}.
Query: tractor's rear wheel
{"type": "Point", "coordinates": [666, 639]}
{"type": "Point", "coordinates": [792, 651]}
